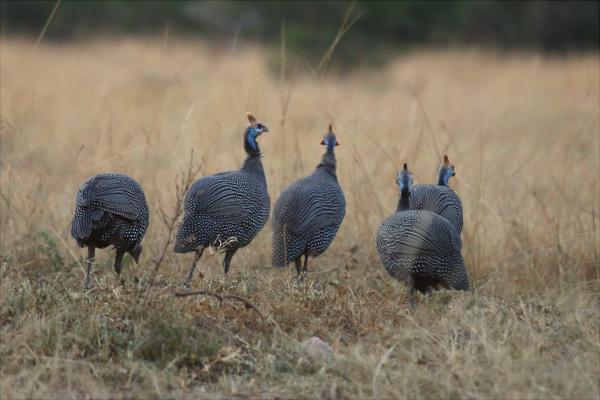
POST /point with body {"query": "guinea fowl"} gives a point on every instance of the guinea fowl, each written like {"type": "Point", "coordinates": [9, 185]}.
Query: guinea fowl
{"type": "Point", "coordinates": [110, 209]}
{"type": "Point", "coordinates": [420, 247]}
{"type": "Point", "coordinates": [309, 212]}
{"type": "Point", "coordinates": [439, 198]}
{"type": "Point", "coordinates": [228, 209]}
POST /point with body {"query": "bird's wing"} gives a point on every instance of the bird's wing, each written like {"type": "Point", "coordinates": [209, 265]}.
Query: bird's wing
{"type": "Point", "coordinates": [314, 211]}
{"type": "Point", "coordinates": [112, 197]}
{"type": "Point", "coordinates": [426, 237]}
{"type": "Point", "coordinates": [218, 198]}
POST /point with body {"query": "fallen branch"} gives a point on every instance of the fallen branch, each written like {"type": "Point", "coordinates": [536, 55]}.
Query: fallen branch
{"type": "Point", "coordinates": [220, 297]}
{"type": "Point", "coordinates": [326, 271]}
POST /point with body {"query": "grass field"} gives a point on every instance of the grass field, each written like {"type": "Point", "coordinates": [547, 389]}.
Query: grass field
{"type": "Point", "coordinates": [522, 130]}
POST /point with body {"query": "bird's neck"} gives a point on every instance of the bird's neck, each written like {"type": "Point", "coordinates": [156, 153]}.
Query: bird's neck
{"type": "Point", "coordinates": [442, 180]}
{"type": "Point", "coordinates": [404, 202]}
{"type": "Point", "coordinates": [251, 147]}
{"type": "Point", "coordinates": [253, 165]}
{"type": "Point", "coordinates": [328, 162]}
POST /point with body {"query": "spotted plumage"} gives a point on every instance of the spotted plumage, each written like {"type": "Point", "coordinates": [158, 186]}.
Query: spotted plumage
{"type": "Point", "coordinates": [308, 213]}
{"type": "Point", "coordinates": [110, 209]}
{"type": "Point", "coordinates": [228, 209]}
{"type": "Point", "coordinates": [439, 198]}
{"type": "Point", "coordinates": [420, 247]}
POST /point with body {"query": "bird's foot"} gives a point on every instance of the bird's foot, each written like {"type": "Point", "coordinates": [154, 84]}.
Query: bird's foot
{"type": "Point", "coordinates": [413, 302]}
{"type": "Point", "coordinates": [298, 279]}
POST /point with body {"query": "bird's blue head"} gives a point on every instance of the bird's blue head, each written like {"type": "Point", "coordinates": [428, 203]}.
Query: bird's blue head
{"type": "Point", "coordinates": [404, 179]}
{"type": "Point", "coordinates": [446, 172]}
{"type": "Point", "coordinates": [254, 130]}
{"type": "Point", "coordinates": [330, 140]}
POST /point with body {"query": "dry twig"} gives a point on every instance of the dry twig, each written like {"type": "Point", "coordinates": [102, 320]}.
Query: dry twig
{"type": "Point", "coordinates": [182, 184]}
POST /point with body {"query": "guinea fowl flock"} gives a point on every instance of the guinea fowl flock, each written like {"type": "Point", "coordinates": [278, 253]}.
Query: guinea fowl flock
{"type": "Point", "coordinates": [420, 243]}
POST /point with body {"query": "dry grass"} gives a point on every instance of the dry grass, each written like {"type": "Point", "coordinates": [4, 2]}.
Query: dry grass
{"type": "Point", "coordinates": [521, 129]}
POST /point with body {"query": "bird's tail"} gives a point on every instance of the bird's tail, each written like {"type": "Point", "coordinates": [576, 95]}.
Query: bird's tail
{"type": "Point", "coordinates": [186, 239]}
{"type": "Point", "coordinates": [81, 226]}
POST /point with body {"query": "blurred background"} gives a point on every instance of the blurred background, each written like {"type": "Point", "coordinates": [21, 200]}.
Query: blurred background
{"type": "Point", "coordinates": [509, 90]}
{"type": "Point", "coordinates": [377, 28]}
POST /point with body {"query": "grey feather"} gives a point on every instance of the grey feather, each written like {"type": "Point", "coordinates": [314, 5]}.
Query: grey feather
{"type": "Point", "coordinates": [439, 199]}
{"type": "Point", "coordinates": [424, 245]}
{"type": "Point", "coordinates": [308, 213]}
{"type": "Point", "coordinates": [228, 205]}
{"type": "Point", "coordinates": [110, 209]}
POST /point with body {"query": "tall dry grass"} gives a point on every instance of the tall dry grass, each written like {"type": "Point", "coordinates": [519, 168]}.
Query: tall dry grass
{"type": "Point", "coordinates": [522, 130]}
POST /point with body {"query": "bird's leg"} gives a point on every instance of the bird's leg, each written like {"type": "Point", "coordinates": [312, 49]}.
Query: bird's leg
{"type": "Point", "coordinates": [197, 256]}
{"type": "Point", "coordinates": [413, 291]}
{"type": "Point", "coordinates": [429, 289]}
{"type": "Point", "coordinates": [135, 253]}
{"type": "Point", "coordinates": [305, 268]}
{"type": "Point", "coordinates": [300, 276]}
{"type": "Point", "coordinates": [90, 262]}
{"type": "Point", "coordinates": [227, 260]}
{"type": "Point", "coordinates": [118, 259]}
{"type": "Point", "coordinates": [413, 298]}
